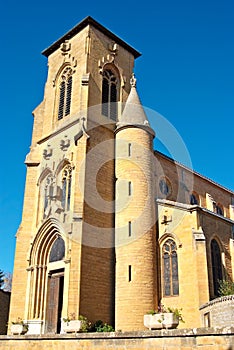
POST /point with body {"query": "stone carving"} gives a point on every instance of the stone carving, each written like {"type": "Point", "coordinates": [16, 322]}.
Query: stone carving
{"type": "Point", "coordinates": [47, 153]}
{"type": "Point", "coordinates": [113, 48]}
{"type": "Point", "coordinates": [133, 80]}
{"type": "Point", "coordinates": [65, 144]}
{"type": "Point", "coordinates": [65, 47]}
{"type": "Point", "coordinates": [105, 59]}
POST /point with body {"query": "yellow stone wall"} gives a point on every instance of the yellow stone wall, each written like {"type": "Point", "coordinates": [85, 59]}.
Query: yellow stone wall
{"type": "Point", "coordinates": [135, 246]}
{"type": "Point", "coordinates": [193, 229]}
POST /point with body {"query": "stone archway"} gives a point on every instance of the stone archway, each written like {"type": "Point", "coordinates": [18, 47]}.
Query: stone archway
{"type": "Point", "coordinates": [46, 280]}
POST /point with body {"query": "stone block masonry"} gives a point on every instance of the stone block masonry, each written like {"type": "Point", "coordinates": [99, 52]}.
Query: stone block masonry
{"type": "Point", "coordinates": [184, 339]}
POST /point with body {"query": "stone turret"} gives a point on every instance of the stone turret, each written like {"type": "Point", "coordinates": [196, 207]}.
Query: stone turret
{"type": "Point", "coordinates": [135, 216]}
{"type": "Point", "coordinates": [133, 113]}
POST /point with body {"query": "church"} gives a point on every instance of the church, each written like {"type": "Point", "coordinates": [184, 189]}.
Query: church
{"type": "Point", "coordinates": [110, 227]}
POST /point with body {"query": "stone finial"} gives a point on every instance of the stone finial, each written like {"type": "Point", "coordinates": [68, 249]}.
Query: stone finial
{"type": "Point", "coordinates": [133, 80]}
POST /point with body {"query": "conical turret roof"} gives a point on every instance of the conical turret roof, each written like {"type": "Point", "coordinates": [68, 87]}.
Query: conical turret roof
{"type": "Point", "coordinates": [133, 113]}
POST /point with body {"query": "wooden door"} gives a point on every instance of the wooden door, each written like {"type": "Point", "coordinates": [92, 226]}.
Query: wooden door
{"type": "Point", "coordinates": [54, 303]}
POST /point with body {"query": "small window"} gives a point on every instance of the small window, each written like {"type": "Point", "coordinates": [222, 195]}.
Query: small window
{"type": "Point", "coordinates": [194, 199]}
{"type": "Point", "coordinates": [129, 188]}
{"type": "Point", "coordinates": [164, 187]}
{"type": "Point", "coordinates": [170, 268]}
{"type": "Point", "coordinates": [65, 92]}
{"type": "Point", "coordinates": [129, 149]}
{"type": "Point", "coordinates": [66, 187]}
{"type": "Point", "coordinates": [129, 229]}
{"type": "Point", "coordinates": [219, 209]}
{"type": "Point", "coordinates": [109, 94]}
{"type": "Point", "coordinates": [129, 273]}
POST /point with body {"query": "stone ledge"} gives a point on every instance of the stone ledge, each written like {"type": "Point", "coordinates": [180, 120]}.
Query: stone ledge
{"type": "Point", "coordinates": [170, 333]}
{"type": "Point", "coordinates": [227, 298]}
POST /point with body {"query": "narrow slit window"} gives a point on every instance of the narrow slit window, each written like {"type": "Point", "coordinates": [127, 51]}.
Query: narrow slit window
{"type": "Point", "coordinates": [129, 149]}
{"type": "Point", "coordinates": [129, 229]}
{"type": "Point", "coordinates": [129, 273]}
{"type": "Point", "coordinates": [129, 188]}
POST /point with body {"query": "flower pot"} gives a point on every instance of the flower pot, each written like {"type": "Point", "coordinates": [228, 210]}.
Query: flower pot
{"type": "Point", "coordinates": [72, 326]}
{"type": "Point", "coordinates": [153, 321]}
{"type": "Point", "coordinates": [17, 328]}
{"type": "Point", "coordinates": [170, 320]}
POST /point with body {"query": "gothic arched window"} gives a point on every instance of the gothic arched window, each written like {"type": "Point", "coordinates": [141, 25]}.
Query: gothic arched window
{"type": "Point", "coordinates": [65, 91]}
{"type": "Point", "coordinates": [58, 250]}
{"type": "Point", "coordinates": [219, 209]}
{"type": "Point", "coordinates": [216, 265]}
{"type": "Point", "coordinates": [170, 268]}
{"type": "Point", "coordinates": [194, 199]}
{"type": "Point", "coordinates": [165, 187]}
{"type": "Point", "coordinates": [109, 94]}
{"type": "Point", "coordinates": [66, 187]}
{"type": "Point", "coordinates": [48, 192]}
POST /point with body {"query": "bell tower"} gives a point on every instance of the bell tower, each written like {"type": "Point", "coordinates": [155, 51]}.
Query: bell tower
{"type": "Point", "coordinates": [65, 257]}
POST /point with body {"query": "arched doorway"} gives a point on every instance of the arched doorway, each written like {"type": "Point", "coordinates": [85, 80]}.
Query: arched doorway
{"type": "Point", "coordinates": [55, 287]}
{"type": "Point", "coordinates": [46, 282]}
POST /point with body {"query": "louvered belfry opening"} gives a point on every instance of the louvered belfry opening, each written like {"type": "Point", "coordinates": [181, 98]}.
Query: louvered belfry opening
{"type": "Point", "coordinates": [109, 94]}
{"type": "Point", "coordinates": [65, 93]}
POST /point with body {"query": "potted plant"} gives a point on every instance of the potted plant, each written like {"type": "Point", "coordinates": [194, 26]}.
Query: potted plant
{"type": "Point", "coordinates": [163, 318]}
{"type": "Point", "coordinates": [19, 326]}
{"type": "Point", "coordinates": [172, 317]}
{"type": "Point", "coordinates": [70, 324]}
{"type": "Point", "coordinates": [153, 320]}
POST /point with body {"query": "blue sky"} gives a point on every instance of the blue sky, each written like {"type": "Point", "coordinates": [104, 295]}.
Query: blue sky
{"type": "Point", "coordinates": [185, 73]}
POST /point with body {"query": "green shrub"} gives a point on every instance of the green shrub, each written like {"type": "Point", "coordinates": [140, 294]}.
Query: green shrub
{"type": "Point", "coordinates": [85, 324]}
{"type": "Point", "coordinates": [99, 326]}
{"type": "Point", "coordinates": [225, 288]}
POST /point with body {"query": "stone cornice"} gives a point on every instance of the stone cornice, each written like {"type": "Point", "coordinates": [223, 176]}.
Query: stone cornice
{"type": "Point", "coordinates": [190, 208]}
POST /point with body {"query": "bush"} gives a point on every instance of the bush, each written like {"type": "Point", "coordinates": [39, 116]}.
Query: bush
{"type": "Point", "coordinates": [85, 324]}
{"type": "Point", "coordinates": [99, 326]}
{"type": "Point", "coordinates": [225, 288]}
